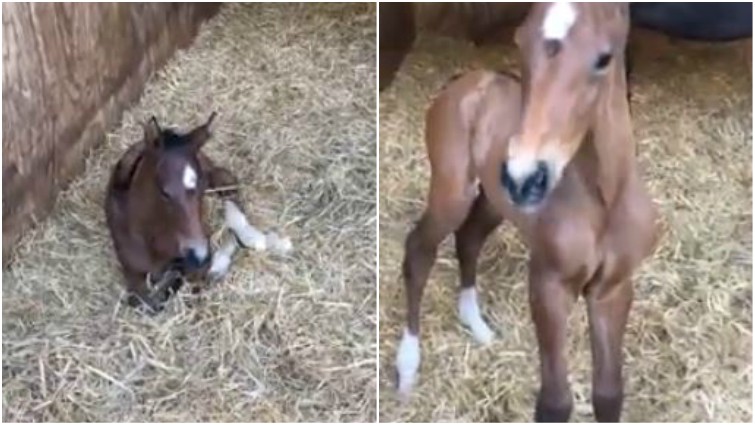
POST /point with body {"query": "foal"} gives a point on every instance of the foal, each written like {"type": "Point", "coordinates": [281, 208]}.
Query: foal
{"type": "Point", "coordinates": [554, 156]}
{"type": "Point", "coordinates": [155, 213]}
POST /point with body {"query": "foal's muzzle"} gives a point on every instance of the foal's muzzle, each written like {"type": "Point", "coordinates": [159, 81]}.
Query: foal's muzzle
{"type": "Point", "coordinates": [195, 258]}
{"type": "Point", "coordinates": [528, 190]}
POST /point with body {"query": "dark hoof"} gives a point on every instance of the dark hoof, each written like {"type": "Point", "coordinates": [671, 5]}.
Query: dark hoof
{"type": "Point", "coordinates": [607, 409]}
{"type": "Point", "coordinates": [545, 412]}
{"type": "Point", "coordinates": [149, 307]}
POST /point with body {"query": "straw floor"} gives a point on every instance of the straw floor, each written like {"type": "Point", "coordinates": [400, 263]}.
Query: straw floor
{"type": "Point", "coordinates": [283, 338]}
{"type": "Point", "coordinates": [688, 348]}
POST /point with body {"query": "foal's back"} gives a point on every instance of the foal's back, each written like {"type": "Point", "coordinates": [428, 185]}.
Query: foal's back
{"type": "Point", "coordinates": [468, 123]}
{"type": "Point", "coordinates": [131, 250]}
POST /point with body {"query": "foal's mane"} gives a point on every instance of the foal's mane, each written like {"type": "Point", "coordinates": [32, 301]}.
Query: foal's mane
{"type": "Point", "coordinates": [126, 168]}
{"type": "Point", "coordinates": [172, 140]}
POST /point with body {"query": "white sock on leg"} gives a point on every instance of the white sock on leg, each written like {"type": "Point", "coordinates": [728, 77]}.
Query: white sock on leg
{"type": "Point", "coordinates": [469, 314]}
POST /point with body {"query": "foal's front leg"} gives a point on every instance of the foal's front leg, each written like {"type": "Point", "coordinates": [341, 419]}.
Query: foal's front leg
{"type": "Point", "coordinates": [139, 293]}
{"type": "Point", "coordinates": [608, 307]}
{"type": "Point", "coordinates": [550, 302]}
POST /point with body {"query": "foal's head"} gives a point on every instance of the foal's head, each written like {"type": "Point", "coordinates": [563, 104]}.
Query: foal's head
{"type": "Point", "coordinates": [572, 65]}
{"type": "Point", "coordinates": [171, 185]}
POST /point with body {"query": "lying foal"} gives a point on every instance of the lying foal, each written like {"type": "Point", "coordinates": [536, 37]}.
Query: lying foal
{"type": "Point", "coordinates": [555, 156]}
{"type": "Point", "coordinates": [154, 208]}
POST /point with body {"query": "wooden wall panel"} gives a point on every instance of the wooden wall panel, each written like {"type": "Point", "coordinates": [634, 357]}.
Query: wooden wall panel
{"type": "Point", "coordinates": [69, 70]}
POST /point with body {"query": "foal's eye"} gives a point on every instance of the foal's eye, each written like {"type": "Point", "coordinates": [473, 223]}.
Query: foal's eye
{"type": "Point", "coordinates": [164, 193]}
{"type": "Point", "coordinates": [602, 62]}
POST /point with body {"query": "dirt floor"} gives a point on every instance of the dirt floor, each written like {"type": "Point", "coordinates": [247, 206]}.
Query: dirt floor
{"type": "Point", "coordinates": [282, 338]}
{"type": "Point", "coordinates": [688, 348]}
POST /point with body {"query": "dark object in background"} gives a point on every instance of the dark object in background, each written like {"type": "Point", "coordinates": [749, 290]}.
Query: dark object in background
{"type": "Point", "coordinates": [397, 34]}
{"type": "Point", "coordinates": [695, 21]}
{"type": "Point", "coordinates": [712, 22]}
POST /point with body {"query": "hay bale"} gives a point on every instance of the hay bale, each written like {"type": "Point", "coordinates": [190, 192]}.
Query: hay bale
{"type": "Point", "coordinates": [688, 347]}
{"type": "Point", "coordinates": [282, 338]}
{"type": "Point", "coordinates": [69, 70]}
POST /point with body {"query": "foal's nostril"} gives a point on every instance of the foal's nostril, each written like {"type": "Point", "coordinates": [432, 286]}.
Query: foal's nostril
{"type": "Point", "coordinates": [508, 182]}
{"type": "Point", "coordinates": [196, 258]}
{"type": "Point", "coordinates": [538, 181]}
{"type": "Point", "coordinates": [528, 191]}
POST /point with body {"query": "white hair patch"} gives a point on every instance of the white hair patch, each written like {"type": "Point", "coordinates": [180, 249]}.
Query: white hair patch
{"type": "Point", "coordinates": [249, 236]}
{"type": "Point", "coordinates": [469, 313]}
{"type": "Point", "coordinates": [522, 166]}
{"type": "Point", "coordinates": [190, 177]}
{"type": "Point", "coordinates": [558, 20]}
{"type": "Point", "coordinates": [407, 362]}
{"type": "Point", "coordinates": [221, 260]}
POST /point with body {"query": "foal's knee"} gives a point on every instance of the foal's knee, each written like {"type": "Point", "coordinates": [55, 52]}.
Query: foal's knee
{"type": "Point", "coordinates": [571, 246]}
{"type": "Point", "coordinates": [419, 251]}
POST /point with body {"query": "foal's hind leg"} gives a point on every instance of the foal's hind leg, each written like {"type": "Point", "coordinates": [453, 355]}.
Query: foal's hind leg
{"type": "Point", "coordinates": [226, 185]}
{"type": "Point", "coordinates": [439, 220]}
{"type": "Point", "coordinates": [470, 238]}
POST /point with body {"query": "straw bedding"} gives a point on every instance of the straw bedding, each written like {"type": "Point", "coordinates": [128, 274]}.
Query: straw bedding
{"type": "Point", "coordinates": [688, 347]}
{"type": "Point", "coordinates": [282, 338]}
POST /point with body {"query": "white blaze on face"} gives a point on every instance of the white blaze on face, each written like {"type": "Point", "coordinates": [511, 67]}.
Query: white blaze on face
{"type": "Point", "coordinates": [521, 166]}
{"type": "Point", "coordinates": [190, 177]}
{"type": "Point", "coordinates": [559, 19]}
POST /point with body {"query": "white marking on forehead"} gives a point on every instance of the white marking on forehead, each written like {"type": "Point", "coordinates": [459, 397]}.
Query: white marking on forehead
{"type": "Point", "coordinates": [558, 20]}
{"type": "Point", "coordinates": [190, 177]}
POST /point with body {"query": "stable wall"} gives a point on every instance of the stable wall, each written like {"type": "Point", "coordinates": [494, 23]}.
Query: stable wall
{"type": "Point", "coordinates": [69, 71]}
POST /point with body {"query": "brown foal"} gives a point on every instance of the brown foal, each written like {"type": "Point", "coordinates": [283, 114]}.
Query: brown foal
{"type": "Point", "coordinates": [155, 213]}
{"type": "Point", "coordinates": [555, 156]}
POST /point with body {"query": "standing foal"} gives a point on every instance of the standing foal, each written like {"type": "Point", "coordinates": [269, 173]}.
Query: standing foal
{"type": "Point", "coordinates": [155, 213]}
{"type": "Point", "coordinates": [554, 156]}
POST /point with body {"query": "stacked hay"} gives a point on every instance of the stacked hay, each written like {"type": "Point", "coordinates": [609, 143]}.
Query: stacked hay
{"type": "Point", "coordinates": [688, 347]}
{"type": "Point", "coordinates": [282, 338]}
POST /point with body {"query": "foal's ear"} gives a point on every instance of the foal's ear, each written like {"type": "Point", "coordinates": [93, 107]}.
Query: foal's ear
{"type": "Point", "coordinates": [199, 136]}
{"type": "Point", "coordinates": [152, 133]}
